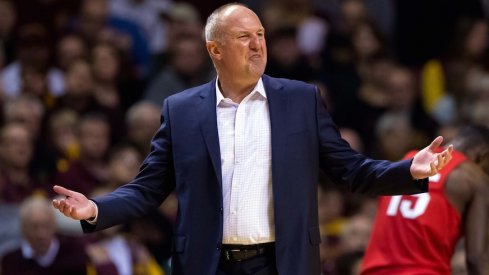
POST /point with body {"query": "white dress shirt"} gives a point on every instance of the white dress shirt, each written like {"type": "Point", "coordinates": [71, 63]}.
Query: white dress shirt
{"type": "Point", "coordinates": [245, 144]}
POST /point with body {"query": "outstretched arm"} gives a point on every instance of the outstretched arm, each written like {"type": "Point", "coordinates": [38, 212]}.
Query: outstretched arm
{"type": "Point", "coordinates": [427, 162]}
{"type": "Point", "coordinates": [75, 205]}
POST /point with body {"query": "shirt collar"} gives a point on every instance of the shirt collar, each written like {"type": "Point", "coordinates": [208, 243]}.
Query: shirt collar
{"type": "Point", "coordinates": [44, 260]}
{"type": "Point", "coordinates": [259, 88]}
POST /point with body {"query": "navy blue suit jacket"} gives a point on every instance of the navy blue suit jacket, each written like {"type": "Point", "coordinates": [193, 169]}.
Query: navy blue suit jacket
{"type": "Point", "coordinates": [185, 157]}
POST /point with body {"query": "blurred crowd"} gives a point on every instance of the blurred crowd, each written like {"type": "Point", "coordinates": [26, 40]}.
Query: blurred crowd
{"type": "Point", "coordinates": [82, 82]}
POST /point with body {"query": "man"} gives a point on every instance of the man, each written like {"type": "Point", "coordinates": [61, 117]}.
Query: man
{"type": "Point", "coordinates": [242, 153]}
{"type": "Point", "coordinates": [417, 234]}
{"type": "Point", "coordinates": [41, 251]}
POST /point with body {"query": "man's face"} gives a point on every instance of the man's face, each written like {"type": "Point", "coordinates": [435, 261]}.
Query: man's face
{"type": "Point", "coordinates": [94, 138]}
{"type": "Point", "coordinates": [243, 50]}
{"type": "Point", "coordinates": [16, 146]}
{"type": "Point", "coordinates": [39, 230]}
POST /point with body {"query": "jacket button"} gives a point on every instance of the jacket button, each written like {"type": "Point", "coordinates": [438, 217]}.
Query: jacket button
{"type": "Point", "coordinates": [218, 247]}
{"type": "Point", "coordinates": [221, 210]}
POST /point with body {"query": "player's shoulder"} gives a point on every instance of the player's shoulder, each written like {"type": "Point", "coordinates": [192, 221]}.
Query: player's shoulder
{"type": "Point", "coordinates": [467, 178]}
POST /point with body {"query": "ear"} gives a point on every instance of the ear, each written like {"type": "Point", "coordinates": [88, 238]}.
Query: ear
{"type": "Point", "coordinates": [213, 49]}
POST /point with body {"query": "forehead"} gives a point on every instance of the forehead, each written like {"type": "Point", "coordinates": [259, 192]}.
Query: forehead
{"type": "Point", "coordinates": [237, 18]}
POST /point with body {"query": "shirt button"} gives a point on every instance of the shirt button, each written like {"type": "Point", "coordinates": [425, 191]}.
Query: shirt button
{"type": "Point", "coordinates": [233, 212]}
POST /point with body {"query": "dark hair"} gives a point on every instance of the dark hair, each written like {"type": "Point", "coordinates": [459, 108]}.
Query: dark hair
{"type": "Point", "coordinates": [471, 137]}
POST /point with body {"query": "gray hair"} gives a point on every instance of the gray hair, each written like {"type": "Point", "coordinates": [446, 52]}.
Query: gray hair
{"type": "Point", "coordinates": [32, 204]}
{"type": "Point", "coordinates": [139, 108]}
{"type": "Point", "coordinates": [212, 30]}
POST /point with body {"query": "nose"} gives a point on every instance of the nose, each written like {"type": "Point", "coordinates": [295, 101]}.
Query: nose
{"type": "Point", "coordinates": [255, 42]}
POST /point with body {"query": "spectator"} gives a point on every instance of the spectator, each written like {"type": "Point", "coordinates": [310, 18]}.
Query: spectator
{"type": "Point", "coordinates": [285, 58]}
{"type": "Point", "coordinates": [189, 66]}
{"type": "Point", "coordinates": [70, 48]}
{"type": "Point", "coordinates": [63, 138]}
{"type": "Point", "coordinates": [95, 25]}
{"type": "Point", "coordinates": [29, 111]}
{"type": "Point", "coordinates": [356, 233]}
{"type": "Point", "coordinates": [7, 32]}
{"type": "Point", "coordinates": [395, 136]}
{"type": "Point", "coordinates": [16, 147]}
{"type": "Point", "coordinates": [41, 251]}
{"type": "Point", "coordinates": [33, 49]}
{"type": "Point", "coordinates": [142, 121]}
{"type": "Point", "coordinates": [90, 170]}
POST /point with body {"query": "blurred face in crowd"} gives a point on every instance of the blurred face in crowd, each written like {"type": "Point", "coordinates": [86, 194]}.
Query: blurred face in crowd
{"type": "Point", "coordinates": [189, 56]}
{"type": "Point", "coordinates": [353, 12]}
{"type": "Point", "coordinates": [33, 45]}
{"type": "Point", "coordinates": [7, 18]}
{"type": "Point", "coordinates": [124, 165]}
{"type": "Point", "coordinates": [365, 41]}
{"type": "Point", "coordinates": [143, 123]}
{"type": "Point", "coordinates": [285, 50]}
{"type": "Point", "coordinates": [330, 205]}
{"type": "Point", "coordinates": [38, 228]}
{"type": "Point", "coordinates": [240, 52]}
{"type": "Point", "coordinates": [356, 233]}
{"type": "Point", "coordinates": [62, 128]}
{"type": "Point", "coordinates": [401, 87]}
{"type": "Point", "coordinates": [78, 79]}
{"type": "Point", "coordinates": [15, 146]}
{"type": "Point", "coordinates": [477, 39]}
{"type": "Point", "coordinates": [105, 63]}
{"type": "Point", "coordinates": [396, 136]}
{"type": "Point", "coordinates": [33, 81]}
{"type": "Point", "coordinates": [70, 48]}
{"type": "Point", "coordinates": [94, 138]}
{"type": "Point", "coordinates": [93, 17]}
{"type": "Point", "coordinates": [28, 112]}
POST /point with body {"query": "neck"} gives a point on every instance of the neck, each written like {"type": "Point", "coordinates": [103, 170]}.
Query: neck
{"type": "Point", "coordinates": [235, 90]}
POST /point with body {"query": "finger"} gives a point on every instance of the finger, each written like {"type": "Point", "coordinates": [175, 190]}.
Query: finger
{"type": "Point", "coordinates": [63, 191]}
{"type": "Point", "coordinates": [436, 143]}
{"type": "Point", "coordinates": [433, 169]}
{"type": "Point", "coordinates": [440, 161]}
{"type": "Point", "coordinates": [450, 149]}
{"type": "Point", "coordinates": [63, 207]}
{"type": "Point", "coordinates": [56, 204]}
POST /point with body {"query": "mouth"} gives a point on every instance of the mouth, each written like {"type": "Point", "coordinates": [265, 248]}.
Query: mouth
{"type": "Point", "coordinates": [255, 56]}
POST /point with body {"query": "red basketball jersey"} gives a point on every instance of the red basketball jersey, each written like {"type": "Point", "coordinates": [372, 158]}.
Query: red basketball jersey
{"type": "Point", "coordinates": [415, 234]}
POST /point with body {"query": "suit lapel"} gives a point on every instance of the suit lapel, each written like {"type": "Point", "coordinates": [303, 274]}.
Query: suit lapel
{"type": "Point", "coordinates": [278, 104]}
{"type": "Point", "coordinates": [208, 126]}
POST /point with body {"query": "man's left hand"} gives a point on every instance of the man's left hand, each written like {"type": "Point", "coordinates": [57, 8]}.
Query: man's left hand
{"type": "Point", "coordinates": [427, 162]}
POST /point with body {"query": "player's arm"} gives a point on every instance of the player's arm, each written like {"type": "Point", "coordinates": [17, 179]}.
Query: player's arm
{"type": "Point", "coordinates": [469, 186]}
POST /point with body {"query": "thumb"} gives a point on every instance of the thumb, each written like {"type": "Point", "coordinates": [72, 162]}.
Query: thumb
{"type": "Point", "coordinates": [436, 143]}
{"type": "Point", "coordinates": [63, 191]}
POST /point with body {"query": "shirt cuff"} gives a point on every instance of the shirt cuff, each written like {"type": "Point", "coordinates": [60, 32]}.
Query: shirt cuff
{"type": "Point", "coordinates": [93, 221]}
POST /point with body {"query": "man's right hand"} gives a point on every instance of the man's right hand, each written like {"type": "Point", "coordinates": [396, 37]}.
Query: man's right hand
{"type": "Point", "coordinates": [75, 205]}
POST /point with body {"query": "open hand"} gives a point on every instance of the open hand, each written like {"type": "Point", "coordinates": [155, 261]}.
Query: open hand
{"type": "Point", "coordinates": [427, 162]}
{"type": "Point", "coordinates": [75, 205]}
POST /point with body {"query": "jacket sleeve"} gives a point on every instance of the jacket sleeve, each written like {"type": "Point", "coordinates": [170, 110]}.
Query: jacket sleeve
{"type": "Point", "coordinates": [154, 182]}
{"type": "Point", "coordinates": [357, 172]}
